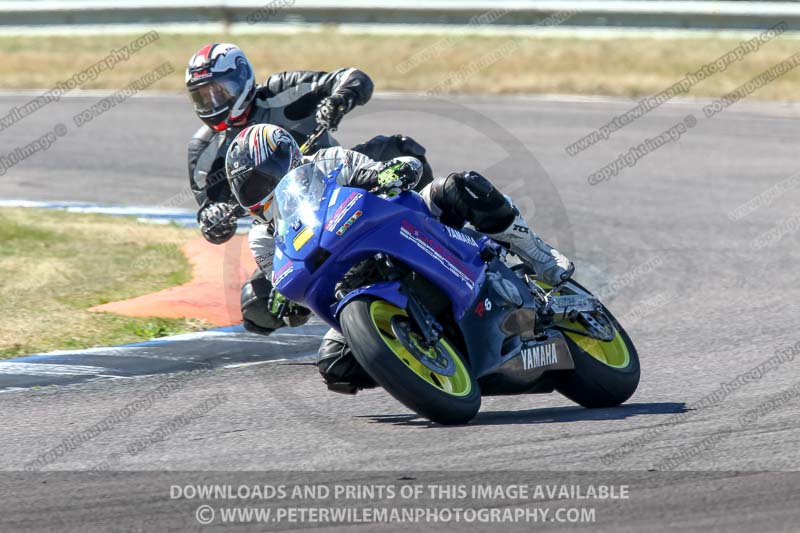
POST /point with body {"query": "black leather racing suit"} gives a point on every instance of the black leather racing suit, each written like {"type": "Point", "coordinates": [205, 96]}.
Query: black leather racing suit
{"type": "Point", "coordinates": [290, 100]}
{"type": "Point", "coordinates": [287, 99]}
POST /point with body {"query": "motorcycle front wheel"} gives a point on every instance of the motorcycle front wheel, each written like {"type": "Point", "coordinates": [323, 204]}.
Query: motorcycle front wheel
{"type": "Point", "coordinates": [433, 381]}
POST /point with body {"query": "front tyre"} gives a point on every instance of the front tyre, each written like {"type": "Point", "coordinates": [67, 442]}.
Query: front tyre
{"type": "Point", "coordinates": [434, 382]}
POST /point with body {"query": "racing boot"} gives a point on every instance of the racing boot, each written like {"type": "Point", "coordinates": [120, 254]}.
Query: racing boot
{"type": "Point", "coordinates": [339, 367]}
{"type": "Point", "coordinates": [550, 265]}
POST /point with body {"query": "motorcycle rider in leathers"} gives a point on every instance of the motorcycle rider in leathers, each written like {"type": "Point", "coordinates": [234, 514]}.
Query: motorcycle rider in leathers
{"type": "Point", "coordinates": [261, 155]}
{"type": "Point", "coordinates": [222, 87]}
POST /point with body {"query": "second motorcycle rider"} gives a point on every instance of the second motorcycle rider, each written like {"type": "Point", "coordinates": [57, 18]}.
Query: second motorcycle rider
{"type": "Point", "coordinates": [223, 90]}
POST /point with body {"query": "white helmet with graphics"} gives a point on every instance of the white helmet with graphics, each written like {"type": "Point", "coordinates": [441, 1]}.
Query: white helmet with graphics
{"type": "Point", "coordinates": [256, 161]}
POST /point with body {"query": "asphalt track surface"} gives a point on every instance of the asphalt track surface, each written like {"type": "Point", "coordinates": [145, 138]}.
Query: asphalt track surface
{"type": "Point", "coordinates": [705, 298]}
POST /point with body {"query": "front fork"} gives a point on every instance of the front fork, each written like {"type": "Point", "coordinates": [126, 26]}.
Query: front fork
{"type": "Point", "coordinates": [430, 329]}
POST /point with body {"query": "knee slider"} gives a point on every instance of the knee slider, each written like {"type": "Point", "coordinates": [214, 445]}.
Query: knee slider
{"type": "Point", "coordinates": [255, 306]}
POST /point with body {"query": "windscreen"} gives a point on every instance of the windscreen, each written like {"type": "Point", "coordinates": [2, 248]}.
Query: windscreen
{"type": "Point", "coordinates": [298, 196]}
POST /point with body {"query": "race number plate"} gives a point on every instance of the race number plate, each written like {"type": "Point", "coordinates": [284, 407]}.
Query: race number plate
{"type": "Point", "coordinates": [573, 302]}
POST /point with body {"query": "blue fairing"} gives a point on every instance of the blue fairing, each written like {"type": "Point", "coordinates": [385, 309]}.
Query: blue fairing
{"type": "Point", "coordinates": [391, 291]}
{"type": "Point", "coordinates": [317, 246]}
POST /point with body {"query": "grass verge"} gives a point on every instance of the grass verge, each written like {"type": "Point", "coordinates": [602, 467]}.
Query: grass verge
{"type": "Point", "coordinates": [622, 67]}
{"type": "Point", "coordinates": [55, 265]}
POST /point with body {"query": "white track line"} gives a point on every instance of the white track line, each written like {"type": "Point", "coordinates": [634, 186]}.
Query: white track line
{"type": "Point", "coordinates": [49, 369]}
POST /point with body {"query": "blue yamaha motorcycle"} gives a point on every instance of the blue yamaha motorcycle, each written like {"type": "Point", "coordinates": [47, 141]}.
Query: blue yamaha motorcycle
{"type": "Point", "coordinates": [435, 315]}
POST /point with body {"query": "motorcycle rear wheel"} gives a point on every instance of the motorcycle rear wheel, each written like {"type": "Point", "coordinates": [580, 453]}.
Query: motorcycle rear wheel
{"type": "Point", "coordinates": [448, 398]}
{"type": "Point", "coordinates": [606, 374]}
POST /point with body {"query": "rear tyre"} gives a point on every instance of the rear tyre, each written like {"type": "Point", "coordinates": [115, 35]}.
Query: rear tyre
{"type": "Point", "coordinates": [385, 343]}
{"type": "Point", "coordinates": [606, 374]}
{"type": "Point", "coordinates": [595, 384]}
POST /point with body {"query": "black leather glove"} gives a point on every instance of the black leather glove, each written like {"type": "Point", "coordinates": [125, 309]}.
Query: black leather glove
{"type": "Point", "coordinates": [394, 177]}
{"type": "Point", "coordinates": [292, 314]}
{"type": "Point", "coordinates": [331, 111]}
{"type": "Point", "coordinates": [218, 222]}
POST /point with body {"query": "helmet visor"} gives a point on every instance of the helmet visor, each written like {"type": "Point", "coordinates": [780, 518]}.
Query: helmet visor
{"type": "Point", "coordinates": [218, 95]}
{"type": "Point", "coordinates": [256, 186]}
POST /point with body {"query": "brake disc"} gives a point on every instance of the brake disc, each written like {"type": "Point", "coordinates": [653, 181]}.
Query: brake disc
{"type": "Point", "coordinates": [603, 331]}
{"type": "Point", "coordinates": [434, 357]}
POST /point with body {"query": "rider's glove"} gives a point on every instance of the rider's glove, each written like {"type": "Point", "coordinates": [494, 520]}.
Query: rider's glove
{"type": "Point", "coordinates": [284, 309]}
{"type": "Point", "coordinates": [218, 222]}
{"type": "Point", "coordinates": [331, 111]}
{"type": "Point", "coordinates": [394, 177]}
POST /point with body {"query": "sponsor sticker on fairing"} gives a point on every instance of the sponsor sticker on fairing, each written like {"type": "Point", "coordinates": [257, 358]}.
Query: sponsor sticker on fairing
{"type": "Point", "coordinates": [483, 307]}
{"type": "Point", "coordinates": [436, 251]}
{"type": "Point", "coordinates": [457, 235]}
{"type": "Point", "coordinates": [347, 204]}
{"type": "Point", "coordinates": [281, 274]}
{"type": "Point", "coordinates": [538, 356]}
{"type": "Point", "coordinates": [302, 238]}
{"type": "Point", "coordinates": [350, 221]}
